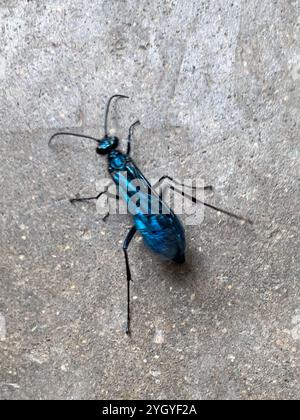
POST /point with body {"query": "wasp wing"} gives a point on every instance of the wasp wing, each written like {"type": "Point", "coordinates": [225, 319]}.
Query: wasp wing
{"type": "Point", "coordinates": [155, 220]}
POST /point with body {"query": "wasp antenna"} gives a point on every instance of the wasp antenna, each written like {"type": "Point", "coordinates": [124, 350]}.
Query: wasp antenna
{"type": "Point", "coordinates": [74, 135]}
{"type": "Point", "coordinates": [107, 111]}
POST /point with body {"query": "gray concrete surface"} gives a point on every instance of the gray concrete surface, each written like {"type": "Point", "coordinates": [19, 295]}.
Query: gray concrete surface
{"type": "Point", "coordinates": [216, 86]}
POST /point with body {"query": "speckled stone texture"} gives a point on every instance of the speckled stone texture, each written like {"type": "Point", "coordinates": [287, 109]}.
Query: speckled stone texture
{"type": "Point", "coordinates": [216, 85]}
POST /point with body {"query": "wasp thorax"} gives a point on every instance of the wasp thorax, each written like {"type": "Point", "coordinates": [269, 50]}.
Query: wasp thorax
{"type": "Point", "coordinates": [107, 144]}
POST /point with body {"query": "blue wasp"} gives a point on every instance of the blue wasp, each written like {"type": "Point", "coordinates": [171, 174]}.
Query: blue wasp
{"type": "Point", "coordinates": [161, 230]}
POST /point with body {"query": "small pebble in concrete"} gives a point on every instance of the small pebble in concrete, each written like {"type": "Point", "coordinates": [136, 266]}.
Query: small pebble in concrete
{"type": "Point", "coordinates": [159, 337]}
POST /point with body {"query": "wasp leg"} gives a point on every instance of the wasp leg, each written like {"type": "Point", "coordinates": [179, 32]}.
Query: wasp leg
{"type": "Point", "coordinates": [195, 200]}
{"type": "Point", "coordinates": [127, 241]}
{"type": "Point", "coordinates": [162, 190]}
{"type": "Point", "coordinates": [82, 199]}
{"type": "Point", "coordinates": [157, 184]}
{"type": "Point", "coordinates": [129, 139]}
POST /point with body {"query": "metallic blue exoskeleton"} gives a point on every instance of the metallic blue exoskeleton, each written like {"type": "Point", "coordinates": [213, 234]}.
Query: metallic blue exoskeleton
{"type": "Point", "coordinates": [161, 230]}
